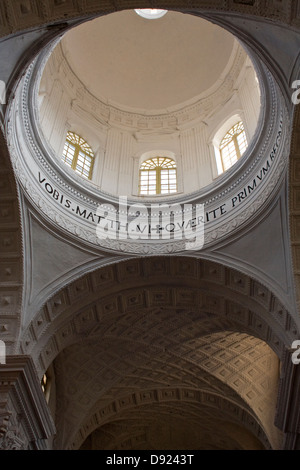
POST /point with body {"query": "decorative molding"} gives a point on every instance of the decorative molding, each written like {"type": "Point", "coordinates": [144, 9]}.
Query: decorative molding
{"type": "Point", "coordinates": [108, 292]}
{"type": "Point", "coordinates": [294, 200]}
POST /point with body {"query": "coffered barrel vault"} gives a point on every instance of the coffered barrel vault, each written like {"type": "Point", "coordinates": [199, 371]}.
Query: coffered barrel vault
{"type": "Point", "coordinates": [149, 342]}
{"type": "Point", "coordinates": [193, 302]}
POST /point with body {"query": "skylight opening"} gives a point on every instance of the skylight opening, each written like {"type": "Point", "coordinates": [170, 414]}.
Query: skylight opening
{"type": "Point", "coordinates": [151, 13]}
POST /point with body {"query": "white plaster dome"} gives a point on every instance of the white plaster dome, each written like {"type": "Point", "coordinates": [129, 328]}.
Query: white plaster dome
{"type": "Point", "coordinates": [57, 99]}
{"type": "Point", "coordinates": [135, 88]}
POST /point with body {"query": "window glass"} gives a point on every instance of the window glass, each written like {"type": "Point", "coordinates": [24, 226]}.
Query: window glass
{"type": "Point", "coordinates": [158, 176]}
{"type": "Point", "coordinates": [78, 155]}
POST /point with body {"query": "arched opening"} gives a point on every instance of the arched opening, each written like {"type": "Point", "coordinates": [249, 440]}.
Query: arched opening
{"type": "Point", "coordinates": [162, 322]}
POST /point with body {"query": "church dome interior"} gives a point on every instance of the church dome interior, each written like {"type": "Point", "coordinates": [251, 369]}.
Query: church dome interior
{"type": "Point", "coordinates": [172, 325]}
{"type": "Point", "coordinates": [136, 89]}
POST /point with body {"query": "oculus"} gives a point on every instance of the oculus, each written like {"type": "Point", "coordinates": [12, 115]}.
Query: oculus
{"type": "Point", "coordinates": [151, 13]}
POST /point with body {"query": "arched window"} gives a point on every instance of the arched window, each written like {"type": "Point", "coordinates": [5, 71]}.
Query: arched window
{"type": "Point", "coordinates": [233, 145]}
{"type": "Point", "coordinates": [78, 155]}
{"type": "Point", "coordinates": [158, 175]}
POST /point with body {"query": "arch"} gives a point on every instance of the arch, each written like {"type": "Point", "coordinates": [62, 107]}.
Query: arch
{"type": "Point", "coordinates": [265, 302]}
{"type": "Point", "coordinates": [157, 152]}
{"type": "Point", "coordinates": [183, 402]}
{"type": "Point", "coordinates": [34, 16]}
{"type": "Point", "coordinates": [217, 291]}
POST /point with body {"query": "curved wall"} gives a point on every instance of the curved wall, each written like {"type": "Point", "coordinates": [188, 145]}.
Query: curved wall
{"type": "Point", "coordinates": [78, 206]}
{"type": "Point", "coordinates": [119, 136]}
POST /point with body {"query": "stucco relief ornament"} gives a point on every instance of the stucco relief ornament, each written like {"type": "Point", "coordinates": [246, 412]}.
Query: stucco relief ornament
{"type": "Point", "coordinates": [12, 442]}
{"type": "Point", "coordinates": [9, 439]}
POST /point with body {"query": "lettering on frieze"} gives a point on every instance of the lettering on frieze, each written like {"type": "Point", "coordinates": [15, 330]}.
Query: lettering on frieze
{"type": "Point", "coordinates": [159, 221]}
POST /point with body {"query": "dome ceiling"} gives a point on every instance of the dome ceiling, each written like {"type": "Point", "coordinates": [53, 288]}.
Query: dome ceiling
{"type": "Point", "coordinates": [131, 62]}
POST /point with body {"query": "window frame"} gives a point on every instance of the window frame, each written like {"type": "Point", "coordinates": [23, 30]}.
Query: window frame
{"type": "Point", "coordinates": [158, 167]}
{"type": "Point", "coordinates": [234, 138]}
{"type": "Point", "coordinates": [80, 147]}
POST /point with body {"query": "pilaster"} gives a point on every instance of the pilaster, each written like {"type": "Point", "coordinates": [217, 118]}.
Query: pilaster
{"type": "Point", "coordinates": [25, 419]}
